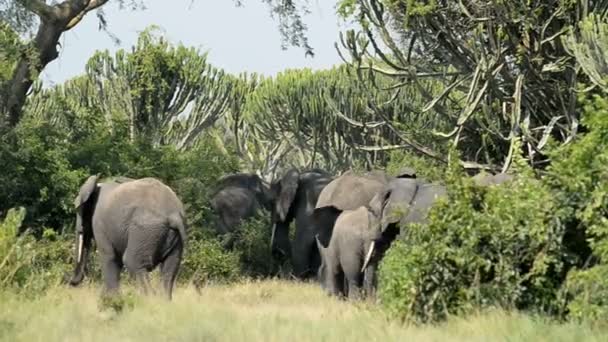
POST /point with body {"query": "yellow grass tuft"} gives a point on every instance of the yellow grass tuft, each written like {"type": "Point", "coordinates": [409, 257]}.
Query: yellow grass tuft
{"type": "Point", "coordinates": [251, 311]}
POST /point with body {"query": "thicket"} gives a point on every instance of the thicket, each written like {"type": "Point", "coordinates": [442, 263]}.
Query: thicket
{"type": "Point", "coordinates": [538, 243]}
{"type": "Point", "coordinates": [483, 246]}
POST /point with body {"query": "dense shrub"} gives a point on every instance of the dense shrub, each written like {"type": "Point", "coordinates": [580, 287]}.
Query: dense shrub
{"type": "Point", "coordinates": [579, 177]}
{"type": "Point", "coordinates": [36, 174]}
{"type": "Point", "coordinates": [495, 246]}
{"type": "Point", "coordinates": [206, 261]}
{"type": "Point", "coordinates": [427, 168]}
{"type": "Point", "coordinates": [252, 242]}
{"type": "Point", "coordinates": [28, 265]}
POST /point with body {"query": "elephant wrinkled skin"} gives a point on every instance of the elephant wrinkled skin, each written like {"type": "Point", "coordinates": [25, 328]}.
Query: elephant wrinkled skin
{"type": "Point", "coordinates": [138, 224]}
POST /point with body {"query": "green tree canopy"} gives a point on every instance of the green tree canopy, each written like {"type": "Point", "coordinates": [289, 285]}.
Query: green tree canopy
{"type": "Point", "coordinates": [504, 69]}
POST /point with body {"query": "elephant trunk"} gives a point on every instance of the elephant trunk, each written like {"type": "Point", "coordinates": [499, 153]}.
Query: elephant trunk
{"type": "Point", "coordinates": [279, 241]}
{"type": "Point", "coordinates": [83, 245]}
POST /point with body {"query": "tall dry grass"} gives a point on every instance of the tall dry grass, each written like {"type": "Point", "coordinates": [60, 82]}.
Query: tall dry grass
{"type": "Point", "coordinates": [251, 311]}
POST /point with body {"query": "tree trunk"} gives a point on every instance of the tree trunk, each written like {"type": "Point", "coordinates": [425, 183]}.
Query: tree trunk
{"type": "Point", "coordinates": [30, 65]}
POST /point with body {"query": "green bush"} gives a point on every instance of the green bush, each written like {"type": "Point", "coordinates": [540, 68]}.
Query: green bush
{"type": "Point", "coordinates": [427, 168]}
{"type": "Point", "coordinates": [206, 261]}
{"type": "Point", "coordinates": [252, 242]}
{"type": "Point", "coordinates": [495, 246]}
{"type": "Point", "coordinates": [29, 265]}
{"type": "Point", "coordinates": [579, 178]}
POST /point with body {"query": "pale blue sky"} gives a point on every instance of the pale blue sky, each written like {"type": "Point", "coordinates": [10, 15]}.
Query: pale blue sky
{"type": "Point", "coordinates": [237, 38]}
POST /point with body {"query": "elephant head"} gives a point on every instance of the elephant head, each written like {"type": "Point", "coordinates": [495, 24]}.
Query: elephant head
{"type": "Point", "coordinates": [238, 197]}
{"type": "Point", "coordinates": [295, 195]}
{"type": "Point", "coordinates": [381, 217]}
{"type": "Point", "coordinates": [284, 193]}
{"type": "Point", "coordinates": [84, 204]}
{"type": "Point", "coordinates": [403, 201]}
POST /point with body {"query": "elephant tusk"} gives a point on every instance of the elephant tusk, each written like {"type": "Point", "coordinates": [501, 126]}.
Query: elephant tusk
{"type": "Point", "coordinates": [80, 246]}
{"type": "Point", "coordinates": [368, 257]}
{"type": "Point", "coordinates": [274, 229]}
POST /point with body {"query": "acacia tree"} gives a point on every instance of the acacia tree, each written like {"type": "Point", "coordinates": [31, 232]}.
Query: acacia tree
{"type": "Point", "coordinates": [59, 17]}
{"type": "Point", "coordinates": [505, 72]}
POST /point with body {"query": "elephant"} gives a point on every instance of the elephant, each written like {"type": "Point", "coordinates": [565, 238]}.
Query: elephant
{"type": "Point", "coordinates": [295, 196]}
{"type": "Point", "coordinates": [237, 198]}
{"type": "Point", "coordinates": [361, 236]}
{"type": "Point", "coordinates": [136, 223]}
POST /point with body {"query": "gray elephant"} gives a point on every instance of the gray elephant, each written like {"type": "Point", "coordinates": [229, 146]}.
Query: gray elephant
{"type": "Point", "coordinates": [237, 198]}
{"type": "Point", "coordinates": [138, 224]}
{"type": "Point", "coordinates": [296, 194]}
{"type": "Point", "coordinates": [362, 236]}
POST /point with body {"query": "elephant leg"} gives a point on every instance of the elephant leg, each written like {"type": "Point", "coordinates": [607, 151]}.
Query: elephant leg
{"type": "Point", "coordinates": [354, 289]}
{"type": "Point", "coordinates": [301, 251]}
{"type": "Point", "coordinates": [110, 271]}
{"type": "Point", "coordinates": [369, 280]}
{"type": "Point", "coordinates": [169, 268]}
{"type": "Point", "coordinates": [336, 286]}
{"type": "Point", "coordinates": [142, 251]}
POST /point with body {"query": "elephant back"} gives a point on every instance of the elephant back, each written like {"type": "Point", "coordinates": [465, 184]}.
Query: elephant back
{"type": "Point", "coordinates": [351, 191]}
{"type": "Point", "coordinates": [148, 193]}
{"type": "Point", "coordinates": [426, 195]}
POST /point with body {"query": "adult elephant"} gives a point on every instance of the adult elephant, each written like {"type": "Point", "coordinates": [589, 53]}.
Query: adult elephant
{"type": "Point", "coordinates": [362, 236]}
{"type": "Point", "coordinates": [296, 194]}
{"type": "Point", "coordinates": [237, 198]}
{"type": "Point", "coordinates": [138, 224]}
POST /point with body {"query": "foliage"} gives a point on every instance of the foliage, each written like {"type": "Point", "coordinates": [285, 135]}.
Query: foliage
{"type": "Point", "coordinates": [482, 247]}
{"type": "Point", "coordinates": [504, 72]}
{"type": "Point", "coordinates": [578, 175]}
{"type": "Point", "coordinates": [322, 119]}
{"type": "Point", "coordinates": [38, 175]}
{"type": "Point", "coordinates": [9, 51]}
{"type": "Point", "coordinates": [166, 94]}
{"type": "Point", "coordinates": [429, 169]}
{"type": "Point", "coordinates": [206, 261]}
{"type": "Point", "coordinates": [253, 245]}
{"type": "Point", "coordinates": [588, 43]}
{"type": "Point", "coordinates": [56, 18]}
{"type": "Point", "coordinates": [29, 266]}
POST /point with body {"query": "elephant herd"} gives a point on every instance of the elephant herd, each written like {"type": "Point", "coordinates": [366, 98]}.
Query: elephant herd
{"type": "Point", "coordinates": [343, 225]}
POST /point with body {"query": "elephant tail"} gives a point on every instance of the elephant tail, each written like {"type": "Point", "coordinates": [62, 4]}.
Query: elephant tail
{"type": "Point", "coordinates": [177, 223]}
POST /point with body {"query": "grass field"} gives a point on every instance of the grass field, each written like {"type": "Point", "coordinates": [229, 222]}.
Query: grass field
{"type": "Point", "coordinates": [254, 311]}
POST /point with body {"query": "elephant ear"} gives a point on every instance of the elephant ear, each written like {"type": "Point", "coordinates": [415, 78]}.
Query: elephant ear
{"type": "Point", "coordinates": [287, 188]}
{"type": "Point", "coordinates": [378, 203]}
{"type": "Point", "coordinates": [324, 219]}
{"type": "Point", "coordinates": [86, 190]}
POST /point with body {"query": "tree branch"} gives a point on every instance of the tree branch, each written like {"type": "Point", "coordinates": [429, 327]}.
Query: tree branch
{"type": "Point", "coordinates": [40, 8]}
{"type": "Point", "coordinates": [92, 4]}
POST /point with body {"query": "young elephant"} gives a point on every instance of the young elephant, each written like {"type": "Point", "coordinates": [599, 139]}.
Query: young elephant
{"type": "Point", "coordinates": [342, 260]}
{"type": "Point", "coordinates": [138, 224]}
